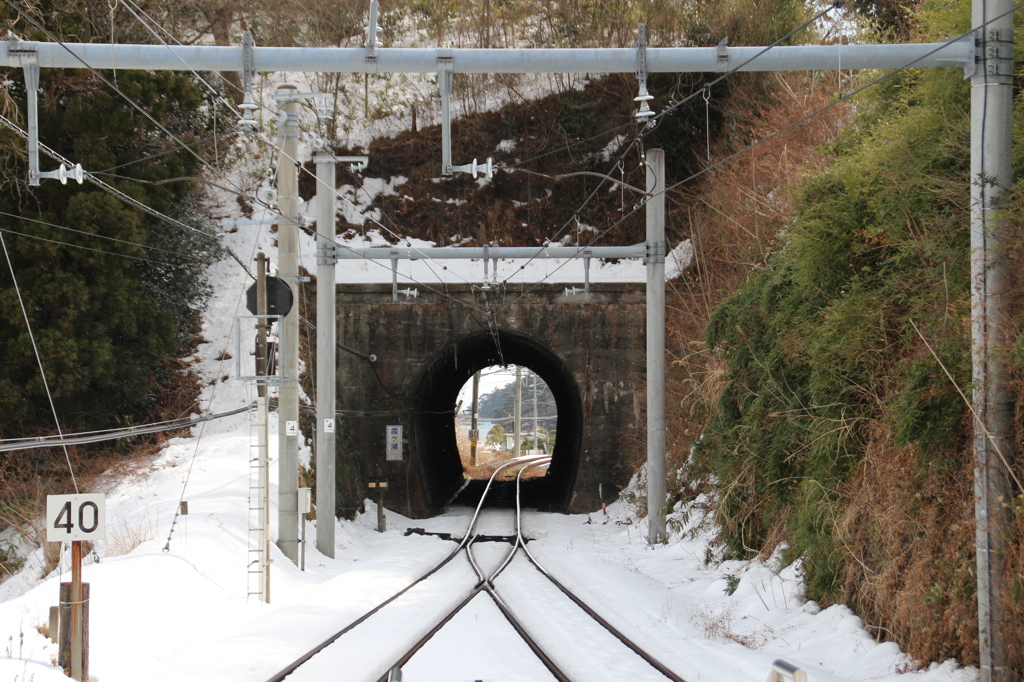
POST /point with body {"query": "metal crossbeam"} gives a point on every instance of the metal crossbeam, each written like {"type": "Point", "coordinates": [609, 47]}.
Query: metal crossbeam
{"type": "Point", "coordinates": [491, 252]}
{"type": "Point", "coordinates": [473, 60]}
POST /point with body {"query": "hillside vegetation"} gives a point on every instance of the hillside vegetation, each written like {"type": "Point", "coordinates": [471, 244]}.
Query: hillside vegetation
{"type": "Point", "coordinates": [833, 379]}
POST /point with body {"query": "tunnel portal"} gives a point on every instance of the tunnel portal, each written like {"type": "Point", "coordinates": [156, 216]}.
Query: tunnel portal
{"type": "Point", "coordinates": [589, 352]}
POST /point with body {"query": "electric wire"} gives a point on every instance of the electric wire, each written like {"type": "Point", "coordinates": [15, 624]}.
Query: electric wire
{"type": "Point", "coordinates": [120, 92]}
{"type": "Point", "coordinates": [110, 189]}
{"type": "Point", "coordinates": [39, 360]}
{"type": "Point", "coordinates": [260, 135]}
{"type": "Point", "coordinates": [884, 77]}
{"type": "Point", "coordinates": [91, 234]}
{"type": "Point", "coordinates": [213, 394]}
{"type": "Point", "coordinates": [155, 22]}
{"type": "Point", "coordinates": [653, 121]}
{"type": "Point", "coordinates": [301, 167]}
{"type": "Point", "coordinates": [371, 359]}
{"type": "Point", "coordinates": [87, 248]}
{"type": "Point", "coordinates": [785, 128]}
{"type": "Point", "coordinates": [112, 434]}
{"type": "Point", "coordinates": [157, 155]}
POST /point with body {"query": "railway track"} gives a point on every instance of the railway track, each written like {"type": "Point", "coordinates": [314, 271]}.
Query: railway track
{"type": "Point", "coordinates": [420, 611]}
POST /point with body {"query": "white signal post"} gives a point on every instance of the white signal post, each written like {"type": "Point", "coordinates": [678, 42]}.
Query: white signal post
{"type": "Point", "coordinates": [76, 518]}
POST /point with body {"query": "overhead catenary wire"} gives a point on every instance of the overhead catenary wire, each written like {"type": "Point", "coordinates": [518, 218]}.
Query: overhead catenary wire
{"type": "Point", "coordinates": [110, 189]}
{"type": "Point", "coordinates": [39, 360]}
{"type": "Point", "coordinates": [202, 161]}
{"type": "Point", "coordinates": [651, 123]}
{"type": "Point", "coordinates": [87, 248]}
{"type": "Point", "coordinates": [118, 90]}
{"type": "Point", "coordinates": [781, 130]}
{"type": "Point", "coordinates": [213, 394]}
{"type": "Point", "coordinates": [13, 444]}
{"type": "Point", "coordinates": [90, 234]}
{"type": "Point", "coordinates": [313, 175]}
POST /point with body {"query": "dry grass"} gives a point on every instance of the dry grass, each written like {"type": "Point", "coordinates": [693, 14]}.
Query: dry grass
{"type": "Point", "coordinates": [122, 538]}
{"type": "Point", "coordinates": [28, 476]}
{"type": "Point", "coordinates": [735, 222]}
{"type": "Point", "coordinates": [908, 537]}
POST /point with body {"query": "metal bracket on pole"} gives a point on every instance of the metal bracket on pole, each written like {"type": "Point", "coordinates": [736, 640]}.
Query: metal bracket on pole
{"type": "Point", "coordinates": [32, 95]}
{"type": "Point", "coordinates": [326, 253]}
{"type": "Point", "coordinates": [27, 54]}
{"type": "Point", "coordinates": [445, 67]}
{"type": "Point", "coordinates": [723, 54]}
{"type": "Point", "coordinates": [644, 112]}
{"type": "Point", "coordinates": [445, 70]}
{"type": "Point", "coordinates": [248, 123]}
{"type": "Point", "coordinates": [996, 51]}
{"type": "Point", "coordinates": [355, 163]}
{"type": "Point", "coordinates": [394, 275]}
{"type": "Point", "coordinates": [586, 273]}
{"type": "Point", "coordinates": [655, 252]}
{"type": "Point", "coordinates": [371, 39]}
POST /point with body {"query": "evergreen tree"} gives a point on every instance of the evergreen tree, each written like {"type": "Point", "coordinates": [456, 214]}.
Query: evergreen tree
{"type": "Point", "coordinates": [104, 309]}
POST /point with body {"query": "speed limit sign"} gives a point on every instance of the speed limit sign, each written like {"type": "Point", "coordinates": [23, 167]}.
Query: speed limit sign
{"type": "Point", "coordinates": [75, 517]}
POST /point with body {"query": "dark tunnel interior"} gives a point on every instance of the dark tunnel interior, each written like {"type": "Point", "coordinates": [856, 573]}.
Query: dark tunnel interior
{"type": "Point", "coordinates": [438, 391]}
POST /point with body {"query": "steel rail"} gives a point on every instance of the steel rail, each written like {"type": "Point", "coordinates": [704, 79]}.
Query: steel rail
{"type": "Point", "coordinates": [297, 663]}
{"type": "Point", "coordinates": [485, 584]}
{"type": "Point", "coordinates": [653, 662]}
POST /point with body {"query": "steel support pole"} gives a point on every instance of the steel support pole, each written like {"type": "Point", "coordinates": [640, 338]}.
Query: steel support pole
{"type": "Point", "coordinates": [32, 101]}
{"type": "Point", "coordinates": [326, 353]}
{"type": "Point", "coordinates": [536, 433]}
{"type": "Point", "coordinates": [474, 426]}
{"type": "Point", "coordinates": [262, 428]}
{"type": "Point", "coordinates": [991, 177]}
{"type": "Point", "coordinates": [288, 390]}
{"type": "Point", "coordinates": [517, 426]}
{"type": "Point", "coordinates": [655, 345]}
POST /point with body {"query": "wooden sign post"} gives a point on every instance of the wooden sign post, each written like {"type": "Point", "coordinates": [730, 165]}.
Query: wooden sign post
{"type": "Point", "coordinates": [75, 518]}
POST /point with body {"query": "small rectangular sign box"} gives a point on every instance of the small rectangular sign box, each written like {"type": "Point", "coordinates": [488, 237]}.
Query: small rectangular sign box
{"type": "Point", "coordinates": [75, 517]}
{"type": "Point", "coordinates": [393, 443]}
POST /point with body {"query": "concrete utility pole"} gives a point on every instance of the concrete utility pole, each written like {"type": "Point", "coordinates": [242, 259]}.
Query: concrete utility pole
{"type": "Point", "coordinates": [991, 176]}
{"type": "Point", "coordinates": [517, 418]}
{"type": "Point", "coordinates": [473, 425]}
{"type": "Point", "coordinates": [536, 433]}
{"type": "Point", "coordinates": [288, 262]}
{"type": "Point", "coordinates": [262, 425]}
{"type": "Point", "coordinates": [326, 353]}
{"type": "Point", "coordinates": [655, 345]}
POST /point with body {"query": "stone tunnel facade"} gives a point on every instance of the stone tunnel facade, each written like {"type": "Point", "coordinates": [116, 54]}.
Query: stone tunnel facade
{"type": "Point", "coordinates": [589, 352]}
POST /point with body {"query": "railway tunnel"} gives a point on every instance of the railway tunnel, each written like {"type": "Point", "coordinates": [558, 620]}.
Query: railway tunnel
{"type": "Point", "coordinates": [588, 350]}
{"type": "Point", "coordinates": [435, 429]}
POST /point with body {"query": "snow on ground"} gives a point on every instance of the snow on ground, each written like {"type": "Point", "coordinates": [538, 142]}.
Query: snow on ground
{"type": "Point", "coordinates": [173, 604]}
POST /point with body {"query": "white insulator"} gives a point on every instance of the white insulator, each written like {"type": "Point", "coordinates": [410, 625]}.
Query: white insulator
{"type": "Point", "coordinates": [267, 195]}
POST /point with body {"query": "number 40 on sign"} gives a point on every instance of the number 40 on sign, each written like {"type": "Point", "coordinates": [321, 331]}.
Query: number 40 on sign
{"type": "Point", "coordinates": [75, 517]}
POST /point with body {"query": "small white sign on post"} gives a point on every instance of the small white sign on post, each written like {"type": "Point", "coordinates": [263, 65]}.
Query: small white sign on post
{"type": "Point", "coordinates": [291, 428]}
{"type": "Point", "coordinates": [393, 444]}
{"type": "Point", "coordinates": [328, 426]}
{"type": "Point", "coordinates": [75, 517]}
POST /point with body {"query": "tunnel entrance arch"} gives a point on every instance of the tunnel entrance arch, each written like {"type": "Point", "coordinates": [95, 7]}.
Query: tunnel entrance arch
{"type": "Point", "coordinates": [425, 348]}
{"type": "Point", "coordinates": [440, 384]}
